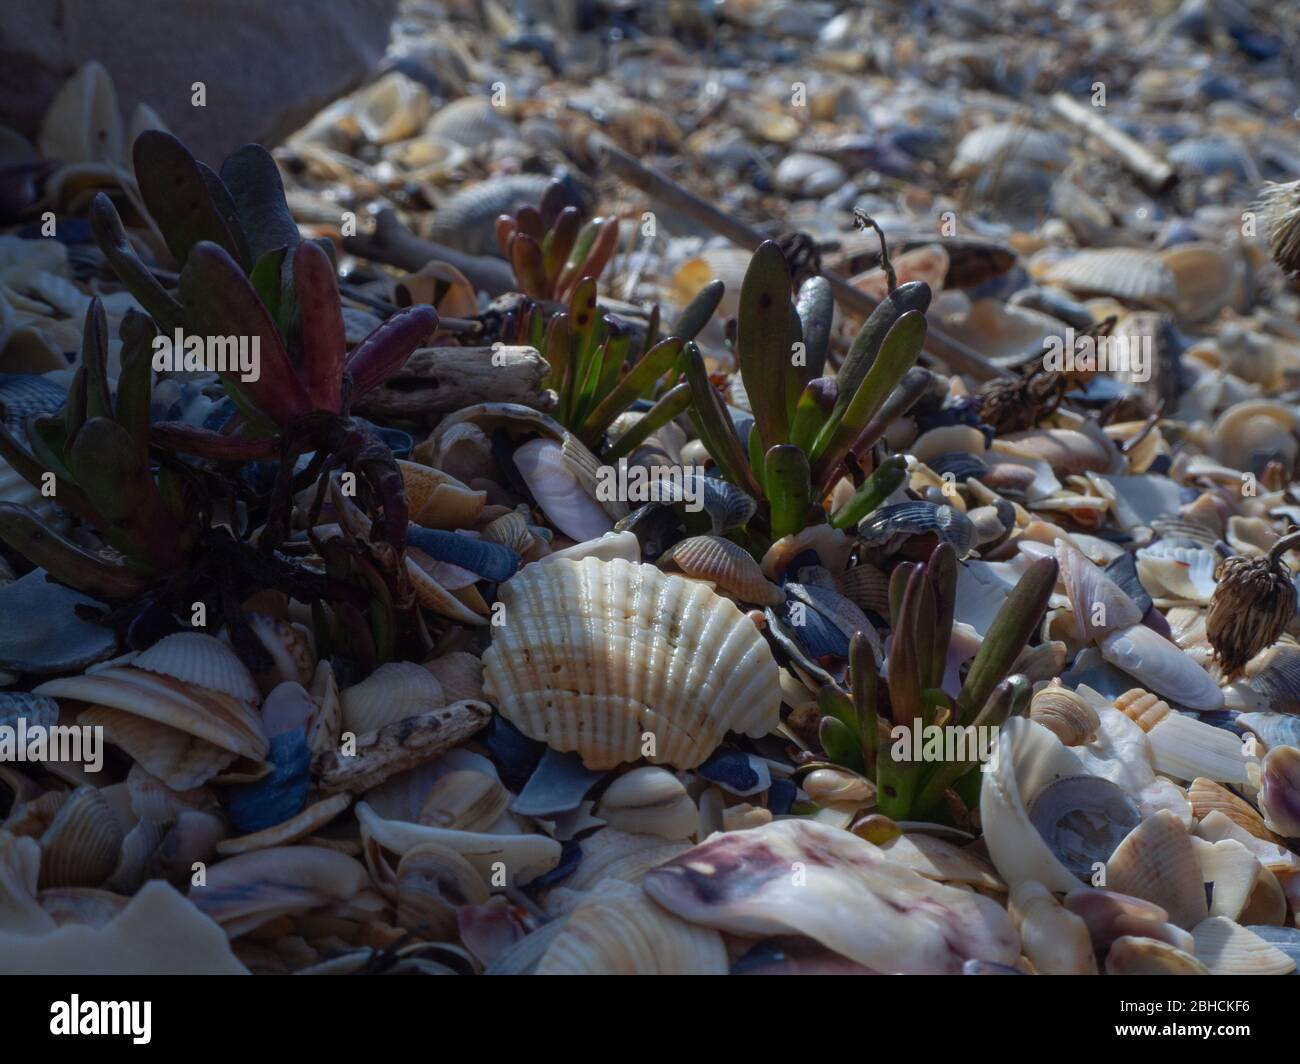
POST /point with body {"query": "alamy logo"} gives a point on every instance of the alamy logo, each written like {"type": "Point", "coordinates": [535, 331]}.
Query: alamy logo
{"type": "Point", "coordinates": [1105, 354]}
{"type": "Point", "coordinates": [26, 741]}
{"type": "Point", "coordinates": [103, 1017]}
{"type": "Point", "coordinates": [212, 354]}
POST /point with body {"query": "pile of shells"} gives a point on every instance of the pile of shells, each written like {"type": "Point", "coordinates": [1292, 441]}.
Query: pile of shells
{"type": "Point", "coordinates": [607, 752]}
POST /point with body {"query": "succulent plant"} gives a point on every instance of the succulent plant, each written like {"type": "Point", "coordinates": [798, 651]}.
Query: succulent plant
{"type": "Point", "coordinates": [806, 426]}
{"type": "Point", "coordinates": [551, 249]}
{"type": "Point", "coordinates": [857, 725]}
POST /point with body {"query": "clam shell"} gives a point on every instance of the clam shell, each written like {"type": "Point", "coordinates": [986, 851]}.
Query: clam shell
{"type": "Point", "coordinates": [1007, 334]}
{"type": "Point", "coordinates": [203, 661]}
{"type": "Point", "coordinates": [459, 674]}
{"type": "Point", "coordinates": [438, 500]}
{"type": "Point", "coordinates": [1134, 955]}
{"type": "Point", "coordinates": [83, 122]}
{"type": "Point", "coordinates": [1067, 451]}
{"type": "Point", "coordinates": [433, 882]}
{"type": "Point", "coordinates": [1248, 435]}
{"type": "Point", "coordinates": [465, 220]}
{"type": "Point", "coordinates": [1111, 915]}
{"type": "Point", "coordinates": [1232, 873]}
{"type": "Point", "coordinates": [81, 846]}
{"type": "Point", "coordinates": [650, 801]}
{"type": "Point", "coordinates": [181, 760]}
{"type": "Point", "coordinates": [1123, 273]}
{"type": "Point", "coordinates": [1064, 713]}
{"type": "Point", "coordinates": [1100, 605]}
{"type": "Point", "coordinates": [1204, 278]}
{"type": "Point", "coordinates": [1279, 794]}
{"type": "Point", "coordinates": [1161, 667]}
{"type": "Point", "coordinates": [1227, 948]}
{"type": "Point", "coordinates": [292, 650]}
{"type": "Point", "coordinates": [394, 691]}
{"type": "Point", "coordinates": [1055, 940]}
{"type": "Point", "coordinates": [559, 492]}
{"type": "Point", "coordinates": [464, 800]}
{"type": "Point", "coordinates": [867, 586]}
{"type": "Point", "coordinates": [1001, 143]}
{"type": "Point", "coordinates": [898, 521]}
{"type": "Point", "coordinates": [289, 831]}
{"type": "Point", "coordinates": [801, 877]}
{"type": "Point", "coordinates": [1156, 862]}
{"type": "Point", "coordinates": [727, 565]}
{"type": "Point", "coordinates": [617, 930]}
{"type": "Point", "coordinates": [392, 108]}
{"type": "Point", "coordinates": [1082, 819]}
{"type": "Point", "coordinates": [472, 121]}
{"type": "Point", "coordinates": [1181, 746]}
{"type": "Point", "coordinates": [599, 657]}
{"type": "Point", "coordinates": [1208, 797]}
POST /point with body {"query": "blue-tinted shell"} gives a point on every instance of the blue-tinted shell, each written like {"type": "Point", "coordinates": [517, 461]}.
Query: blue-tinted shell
{"type": "Point", "coordinates": [279, 796]}
{"type": "Point", "coordinates": [489, 560]}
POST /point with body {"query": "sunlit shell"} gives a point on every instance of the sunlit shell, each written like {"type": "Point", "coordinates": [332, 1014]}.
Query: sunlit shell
{"type": "Point", "coordinates": [608, 657]}
{"type": "Point", "coordinates": [1232, 872]}
{"type": "Point", "coordinates": [470, 121]}
{"type": "Point", "coordinates": [392, 108]}
{"type": "Point", "coordinates": [727, 264]}
{"type": "Point", "coordinates": [1204, 278]}
{"type": "Point", "coordinates": [1227, 948]}
{"type": "Point", "coordinates": [1134, 955]}
{"type": "Point", "coordinates": [394, 691]}
{"type": "Point", "coordinates": [203, 661]}
{"type": "Point", "coordinates": [1248, 435]}
{"type": "Point", "coordinates": [1100, 605]}
{"type": "Point", "coordinates": [438, 500]}
{"type": "Point", "coordinates": [1065, 450]}
{"type": "Point", "coordinates": [1161, 667]}
{"type": "Point", "coordinates": [81, 845]}
{"type": "Point", "coordinates": [617, 930]}
{"type": "Point", "coordinates": [558, 492]}
{"type": "Point", "coordinates": [1110, 915]}
{"type": "Point", "coordinates": [928, 264]}
{"type": "Point", "coordinates": [1006, 333]}
{"type": "Point", "coordinates": [1156, 862]}
{"type": "Point", "coordinates": [867, 586]}
{"type": "Point", "coordinates": [1126, 274]}
{"type": "Point", "coordinates": [1279, 795]}
{"type": "Point", "coordinates": [1054, 939]}
{"type": "Point", "coordinates": [1001, 143]}
{"type": "Point", "coordinates": [650, 801]}
{"type": "Point", "coordinates": [1064, 713]}
{"type": "Point", "coordinates": [1207, 797]}
{"type": "Point", "coordinates": [727, 565]}
{"type": "Point", "coordinates": [1183, 747]}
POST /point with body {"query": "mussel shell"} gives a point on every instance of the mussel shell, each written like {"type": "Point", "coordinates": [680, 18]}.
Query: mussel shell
{"type": "Point", "coordinates": [961, 465]}
{"type": "Point", "coordinates": [1082, 819]}
{"type": "Point", "coordinates": [918, 518]}
{"type": "Point", "coordinates": [557, 785]}
{"type": "Point", "coordinates": [492, 561]}
{"type": "Point", "coordinates": [25, 394]}
{"type": "Point", "coordinates": [51, 637]}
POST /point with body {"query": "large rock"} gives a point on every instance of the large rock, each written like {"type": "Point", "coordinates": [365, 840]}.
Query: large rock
{"type": "Point", "coordinates": [268, 66]}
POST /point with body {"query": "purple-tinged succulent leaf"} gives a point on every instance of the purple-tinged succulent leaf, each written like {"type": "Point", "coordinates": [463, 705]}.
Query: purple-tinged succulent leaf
{"type": "Point", "coordinates": [204, 443]}
{"type": "Point", "coordinates": [386, 349]}
{"type": "Point", "coordinates": [68, 563]}
{"type": "Point", "coordinates": [324, 339]}
{"type": "Point", "coordinates": [254, 183]}
{"type": "Point", "coordinates": [111, 237]}
{"type": "Point", "coordinates": [178, 196]}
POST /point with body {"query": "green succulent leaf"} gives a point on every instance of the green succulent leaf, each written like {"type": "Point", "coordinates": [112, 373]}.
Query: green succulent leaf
{"type": "Point", "coordinates": [765, 339]}
{"type": "Point", "coordinates": [789, 489]}
{"type": "Point", "coordinates": [62, 559]}
{"type": "Point", "coordinates": [840, 744]}
{"type": "Point", "coordinates": [811, 411]}
{"type": "Point", "coordinates": [530, 270]}
{"type": "Point", "coordinates": [942, 571]}
{"type": "Point", "coordinates": [94, 356]}
{"type": "Point", "coordinates": [671, 404]}
{"type": "Point", "coordinates": [833, 702]}
{"type": "Point", "coordinates": [140, 281]}
{"type": "Point", "coordinates": [179, 197]}
{"type": "Point", "coordinates": [815, 306]}
{"type": "Point", "coordinates": [324, 339]}
{"type": "Point", "coordinates": [882, 483]}
{"type": "Point", "coordinates": [713, 425]}
{"type": "Point", "coordinates": [699, 310]}
{"type": "Point", "coordinates": [255, 186]}
{"type": "Point", "coordinates": [224, 204]}
{"type": "Point", "coordinates": [221, 302]}
{"type": "Point", "coordinates": [558, 243]}
{"type": "Point", "coordinates": [863, 680]}
{"type": "Point", "coordinates": [1008, 635]}
{"type": "Point", "coordinates": [135, 382]}
{"type": "Point", "coordinates": [898, 354]}
{"type": "Point", "coordinates": [652, 365]}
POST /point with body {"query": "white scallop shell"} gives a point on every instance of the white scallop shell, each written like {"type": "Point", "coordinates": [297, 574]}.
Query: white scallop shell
{"type": "Point", "coordinates": [203, 661]}
{"type": "Point", "coordinates": [598, 657]}
{"type": "Point", "coordinates": [394, 691]}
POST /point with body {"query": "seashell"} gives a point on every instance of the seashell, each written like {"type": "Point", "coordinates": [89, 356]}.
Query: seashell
{"type": "Point", "coordinates": [1279, 792]}
{"type": "Point", "coordinates": [290, 830]}
{"type": "Point", "coordinates": [82, 905]}
{"type": "Point", "coordinates": [434, 882]}
{"type": "Point", "coordinates": [1064, 713]}
{"type": "Point", "coordinates": [1161, 667]}
{"type": "Point", "coordinates": [1275, 676]}
{"type": "Point", "coordinates": [459, 674]}
{"type": "Point", "coordinates": [1204, 279]}
{"type": "Point", "coordinates": [812, 176]}
{"type": "Point", "coordinates": [940, 860]}
{"type": "Point", "coordinates": [1134, 955]}
{"type": "Point", "coordinates": [433, 596]}
{"type": "Point", "coordinates": [181, 760]}
{"type": "Point", "coordinates": [471, 122]}
{"type": "Point", "coordinates": [52, 638]}
{"type": "Point", "coordinates": [558, 492]}
{"type": "Point", "coordinates": [1100, 605]}
{"type": "Point", "coordinates": [525, 857]}
{"type": "Point", "coordinates": [1111, 915]}
{"type": "Point", "coordinates": [1156, 862]}
{"type": "Point", "coordinates": [831, 786]}
{"type": "Point", "coordinates": [464, 800]}
{"type": "Point", "coordinates": [594, 656]}
{"type": "Point", "coordinates": [293, 655]}
{"type": "Point", "coordinates": [1008, 334]}
{"type": "Point", "coordinates": [617, 930]}
{"type": "Point", "coordinates": [323, 731]}
{"type": "Point", "coordinates": [1055, 940]}
{"type": "Point", "coordinates": [831, 546]}
{"type": "Point", "coordinates": [1226, 948]}
{"type": "Point", "coordinates": [513, 532]}
{"type": "Point", "coordinates": [1286, 939]}
{"type": "Point", "coordinates": [250, 889]}
{"type": "Point", "coordinates": [392, 108]}
{"type": "Point", "coordinates": [1177, 572]}
{"type": "Point", "coordinates": [203, 661]}
{"type": "Point", "coordinates": [853, 899]}
{"type": "Point", "coordinates": [438, 500]}
{"type": "Point", "coordinates": [1067, 451]}
{"type": "Point", "coordinates": [394, 691]}
{"type": "Point", "coordinates": [1275, 729]}
{"type": "Point", "coordinates": [1029, 757]}
{"type": "Point", "coordinates": [649, 801]}
{"type": "Point", "coordinates": [1249, 435]}
{"type": "Point", "coordinates": [1208, 797]}
{"type": "Point", "coordinates": [1125, 274]}
{"type": "Point", "coordinates": [1082, 819]}
{"type": "Point", "coordinates": [1232, 873]}
{"type": "Point", "coordinates": [1001, 143]}
{"type": "Point", "coordinates": [1182, 746]}
{"type": "Point", "coordinates": [888, 526]}
{"type": "Point", "coordinates": [558, 785]}
{"type": "Point", "coordinates": [287, 708]}
{"type": "Point", "coordinates": [81, 846]}
{"type": "Point", "coordinates": [83, 123]}
{"type": "Point", "coordinates": [867, 586]}
{"type": "Point", "coordinates": [448, 555]}
{"type": "Point", "coordinates": [727, 565]}
{"type": "Point", "coordinates": [929, 264]}
{"type": "Point", "coordinates": [728, 506]}
{"type": "Point", "coordinates": [726, 264]}
{"type": "Point", "coordinates": [465, 220]}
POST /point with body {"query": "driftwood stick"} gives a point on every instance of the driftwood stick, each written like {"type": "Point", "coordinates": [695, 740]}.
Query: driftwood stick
{"type": "Point", "coordinates": [439, 380]}
{"type": "Point", "coordinates": [941, 346]}
{"type": "Point", "coordinates": [1156, 174]}
{"type": "Point", "coordinates": [394, 245]}
{"type": "Point", "coordinates": [399, 746]}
